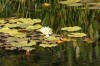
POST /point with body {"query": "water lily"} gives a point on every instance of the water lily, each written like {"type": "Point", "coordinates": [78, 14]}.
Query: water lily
{"type": "Point", "coordinates": [46, 31]}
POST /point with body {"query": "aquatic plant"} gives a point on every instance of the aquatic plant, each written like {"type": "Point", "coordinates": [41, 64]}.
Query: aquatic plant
{"type": "Point", "coordinates": [74, 28]}
{"type": "Point", "coordinates": [46, 31]}
{"type": "Point", "coordinates": [76, 34]}
{"type": "Point", "coordinates": [47, 45]}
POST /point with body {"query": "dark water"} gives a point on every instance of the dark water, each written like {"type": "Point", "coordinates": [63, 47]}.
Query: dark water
{"type": "Point", "coordinates": [46, 57]}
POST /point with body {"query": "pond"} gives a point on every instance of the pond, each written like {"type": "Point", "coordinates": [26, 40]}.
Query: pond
{"type": "Point", "coordinates": [49, 33]}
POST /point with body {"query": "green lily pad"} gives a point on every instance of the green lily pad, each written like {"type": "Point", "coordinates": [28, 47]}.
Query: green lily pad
{"type": "Point", "coordinates": [47, 45]}
{"type": "Point", "coordinates": [37, 26]}
{"type": "Point", "coordinates": [66, 2]}
{"type": "Point", "coordinates": [12, 20]}
{"type": "Point", "coordinates": [10, 48]}
{"type": "Point", "coordinates": [5, 30]}
{"type": "Point", "coordinates": [75, 4]}
{"type": "Point", "coordinates": [53, 38]}
{"type": "Point", "coordinates": [23, 44]}
{"type": "Point", "coordinates": [13, 39]}
{"type": "Point", "coordinates": [2, 21]}
{"type": "Point", "coordinates": [11, 25]}
{"type": "Point", "coordinates": [28, 48]}
{"type": "Point", "coordinates": [37, 20]}
{"type": "Point", "coordinates": [24, 25]}
{"type": "Point", "coordinates": [19, 35]}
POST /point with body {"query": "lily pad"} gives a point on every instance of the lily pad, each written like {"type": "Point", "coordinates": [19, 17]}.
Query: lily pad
{"type": "Point", "coordinates": [37, 26]}
{"type": "Point", "coordinates": [75, 4]}
{"type": "Point", "coordinates": [47, 45]}
{"type": "Point", "coordinates": [66, 2]}
{"type": "Point", "coordinates": [28, 48]}
{"type": "Point", "coordinates": [11, 25]}
{"type": "Point", "coordinates": [23, 44]}
{"type": "Point", "coordinates": [74, 28]}
{"type": "Point", "coordinates": [52, 38]}
{"type": "Point", "coordinates": [76, 34]}
{"type": "Point", "coordinates": [2, 21]}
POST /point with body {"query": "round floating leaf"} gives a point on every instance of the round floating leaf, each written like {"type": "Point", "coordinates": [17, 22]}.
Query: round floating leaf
{"type": "Point", "coordinates": [75, 4]}
{"type": "Point", "coordinates": [94, 4]}
{"type": "Point", "coordinates": [37, 20]}
{"type": "Point", "coordinates": [52, 38]}
{"type": "Point", "coordinates": [2, 21]}
{"type": "Point", "coordinates": [10, 48]}
{"type": "Point", "coordinates": [76, 34]}
{"type": "Point", "coordinates": [37, 26]}
{"type": "Point", "coordinates": [48, 45]}
{"type": "Point", "coordinates": [66, 2]}
{"type": "Point", "coordinates": [74, 0]}
{"type": "Point", "coordinates": [23, 44]}
{"type": "Point", "coordinates": [5, 30]}
{"type": "Point", "coordinates": [24, 25]}
{"type": "Point", "coordinates": [94, 7]}
{"type": "Point", "coordinates": [20, 35]}
{"type": "Point", "coordinates": [28, 48]}
{"type": "Point", "coordinates": [74, 28]}
{"type": "Point", "coordinates": [11, 25]}
{"type": "Point", "coordinates": [13, 21]}
{"type": "Point", "coordinates": [32, 42]}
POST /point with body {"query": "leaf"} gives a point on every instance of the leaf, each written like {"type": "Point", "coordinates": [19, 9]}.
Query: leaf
{"type": "Point", "coordinates": [76, 35]}
{"type": "Point", "coordinates": [23, 44]}
{"type": "Point", "coordinates": [11, 25]}
{"type": "Point", "coordinates": [74, 28]}
{"type": "Point", "coordinates": [5, 30]}
{"type": "Point", "coordinates": [52, 38]}
{"type": "Point", "coordinates": [2, 21]}
{"type": "Point", "coordinates": [37, 21]}
{"type": "Point", "coordinates": [47, 45]}
{"type": "Point", "coordinates": [28, 48]}
{"type": "Point", "coordinates": [37, 26]}
{"type": "Point", "coordinates": [75, 4]}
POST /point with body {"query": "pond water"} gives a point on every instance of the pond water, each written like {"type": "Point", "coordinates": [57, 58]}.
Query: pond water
{"type": "Point", "coordinates": [70, 51]}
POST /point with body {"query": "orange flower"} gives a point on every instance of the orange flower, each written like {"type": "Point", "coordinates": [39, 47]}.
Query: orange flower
{"type": "Point", "coordinates": [59, 41]}
{"type": "Point", "coordinates": [46, 4]}
{"type": "Point", "coordinates": [87, 40]}
{"type": "Point", "coordinates": [66, 39]}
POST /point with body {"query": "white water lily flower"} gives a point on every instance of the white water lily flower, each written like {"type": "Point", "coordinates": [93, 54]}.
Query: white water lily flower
{"type": "Point", "coordinates": [46, 31]}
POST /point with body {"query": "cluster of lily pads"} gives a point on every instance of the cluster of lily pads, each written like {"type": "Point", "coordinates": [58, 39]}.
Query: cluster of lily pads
{"type": "Point", "coordinates": [95, 5]}
{"type": "Point", "coordinates": [27, 34]}
{"type": "Point", "coordinates": [72, 33]}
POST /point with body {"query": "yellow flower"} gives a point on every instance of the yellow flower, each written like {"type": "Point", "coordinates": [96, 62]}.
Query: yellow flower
{"type": "Point", "coordinates": [74, 28]}
{"type": "Point", "coordinates": [76, 34]}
